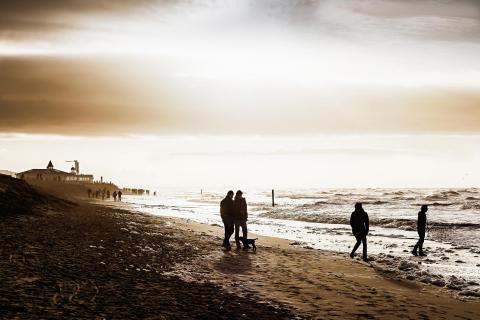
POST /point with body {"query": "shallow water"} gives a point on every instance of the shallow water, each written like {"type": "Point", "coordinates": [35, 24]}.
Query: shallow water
{"type": "Point", "coordinates": [319, 219]}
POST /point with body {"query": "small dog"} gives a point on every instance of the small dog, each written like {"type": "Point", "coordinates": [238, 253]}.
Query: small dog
{"type": "Point", "coordinates": [247, 242]}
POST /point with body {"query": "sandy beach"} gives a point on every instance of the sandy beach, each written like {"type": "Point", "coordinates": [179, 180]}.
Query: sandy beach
{"type": "Point", "coordinates": [98, 262]}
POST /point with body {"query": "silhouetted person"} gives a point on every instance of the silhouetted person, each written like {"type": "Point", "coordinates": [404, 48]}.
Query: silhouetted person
{"type": "Point", "coordinates": [119, 195]}
{"type": "Point", "coordinates": [114, 194]}
{"type": "Point", "coordinates": [240, 217]}
{"type": "Point", "coordinates": [421, 228]}
{"type": "Point", "coordinates": [226, 212]}
{"type": "Point", "coordinates": [89, 192]}
{"type": "Point", "coordinates": [360, 227]}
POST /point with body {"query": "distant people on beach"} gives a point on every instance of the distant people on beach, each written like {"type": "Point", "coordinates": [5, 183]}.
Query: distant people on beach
{"type": "Point", "coordinates": [240, 217]}
{"type": "Point", "coordinates": [360, 227]}
{"type": "Point", "coordinates": [119, 194]}
{"type": "Point", "coordinates": [114, 194]}
{"type": "Point", "coordinates": [421, 228]}
{"type": "Point", "coordinates": [227, 215]}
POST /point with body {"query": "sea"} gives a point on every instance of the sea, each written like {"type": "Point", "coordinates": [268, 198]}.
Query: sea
{"type": "Point", "coordinates": [319, 219]}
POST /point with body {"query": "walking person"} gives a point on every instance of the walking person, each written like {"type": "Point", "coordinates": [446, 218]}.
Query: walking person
{"type": "Point", "coordinates": [226, 213]}
{"type": "Point", "coordinates": [114, 194]}
{"type": "Point", "coordinates": [360, 227]}
{"type": "Point", "coordinates": [421, 228]}
{"type": "Point", "coordinates": [240, 215]}
{"type": "Point", "coordinates": [119, 194]}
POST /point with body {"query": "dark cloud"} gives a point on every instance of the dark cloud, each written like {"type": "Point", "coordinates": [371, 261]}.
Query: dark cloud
{"type": "Point", "coordinates": [447, 20]}
{"type": "Point", "coordinates": [82, 96]}
{"type": "Point", "coordinates": [68, 95]}
{"type": "Point", "coordinates": [31, 19]}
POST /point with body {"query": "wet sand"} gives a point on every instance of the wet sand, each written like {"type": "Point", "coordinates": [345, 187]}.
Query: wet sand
{"type": "Point", "coordinates": [91, 261]}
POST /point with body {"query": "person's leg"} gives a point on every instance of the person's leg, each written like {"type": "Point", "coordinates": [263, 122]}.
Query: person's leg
{"type": "Point", "coordinates": [355, 247]}
{"type": "Point", "coordinates": [230, 229]}
{"type": "Point", "coordinates": [225, 232]}
{"type": "Point", "coordinates": [244, 233]}
{"type": "Point", "coordinates": [237, 233]}
{"type": "Point", "coordinates": [244, 229]}
{"type": "Point", "coordinates": [364, 241]}
{"type": "Point", "coordinates": [414, 251]}
{"type": "Point", "coordinates": [420, 243]}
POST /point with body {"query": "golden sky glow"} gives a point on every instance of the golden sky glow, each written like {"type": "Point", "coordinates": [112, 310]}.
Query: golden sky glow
{"type": "Point", "coordinates": [239, 66]}
{"type": "Point", "coordinates": [252, 70]}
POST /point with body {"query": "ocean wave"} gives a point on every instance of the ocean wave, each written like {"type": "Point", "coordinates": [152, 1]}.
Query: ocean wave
{"type": "Point", "coordinates": [472, 198]}
{"type": "Point", "coordinates": [440, 204]}
{"type": "Point", "coordinates": [402, 198]}
{"type": "Point", "coordinates": [443, 195]}
{"type": "Point", "coordinates": [395, 193]}
{"type": "Point", "coordinates": [403, 224]}
{"type": "Point", "coordinates": [469, 206]}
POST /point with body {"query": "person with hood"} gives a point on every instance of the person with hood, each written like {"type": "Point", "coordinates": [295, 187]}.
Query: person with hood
{"type": "Point", "coordinates": [240, 217]}
{"type": "Point", "coordinates": [360, 227]}
{"type": "Point", "coordinates": [226, 213]}
{"type": "Point", "coordinates": [421, 228]}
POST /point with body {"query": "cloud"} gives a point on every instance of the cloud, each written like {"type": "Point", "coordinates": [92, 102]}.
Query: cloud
{"type": "Point", "coordinates": [258, 66]}
{"type": "Point", "coordinates": [445, 20]}
{"type": "Point", "coordinates": [104, 97]}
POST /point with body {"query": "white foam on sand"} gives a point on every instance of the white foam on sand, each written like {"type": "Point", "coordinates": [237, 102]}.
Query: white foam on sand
{"type": "Point", "coordinates": [319, 219]}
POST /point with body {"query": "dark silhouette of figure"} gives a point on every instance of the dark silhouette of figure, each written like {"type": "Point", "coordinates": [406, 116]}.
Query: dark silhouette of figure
{"type": "Point", "coordinates": [119, 195]}
{"type": "Point", "coordinates": [421, 228]}
{"type": "Point", "coordinates": [240, 217]}
{"type": "Point", "coordinates": [226, 213]}
{"type": "Point", "coordinates": [360, 227]}
{"type": "Point", "coordinates": [89, 192]}
{"type": "Point", "coordinates": [114, 194]}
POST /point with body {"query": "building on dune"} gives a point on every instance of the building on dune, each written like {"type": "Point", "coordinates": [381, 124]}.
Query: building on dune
{"type": "Point", "coordinates": [52, 175]}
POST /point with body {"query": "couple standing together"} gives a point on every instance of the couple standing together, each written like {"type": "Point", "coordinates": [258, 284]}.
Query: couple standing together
{"type": "Point", "coordinates": [234, 216]}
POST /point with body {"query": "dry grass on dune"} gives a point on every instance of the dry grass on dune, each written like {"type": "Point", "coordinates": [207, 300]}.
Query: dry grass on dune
{"type": "Point", "coordinates": [18, 197]}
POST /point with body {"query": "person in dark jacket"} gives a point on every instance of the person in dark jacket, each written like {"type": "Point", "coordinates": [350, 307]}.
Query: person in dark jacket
{"type": "Point", "coordinates": [240, 217]}
{"type": "Point", "coordinates": [421, 228]}
{"type": "Point", "coordinates": [226, 213]}
{"type": "Point", "coordinates": [360, 227]}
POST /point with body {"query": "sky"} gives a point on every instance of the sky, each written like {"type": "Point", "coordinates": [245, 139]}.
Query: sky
{"type": "Point", "coordinates": [356, 81]}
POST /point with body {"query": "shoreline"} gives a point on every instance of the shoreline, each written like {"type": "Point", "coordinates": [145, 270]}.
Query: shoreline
{"type": "Point", "coordinates": [393, 267]}
{"type": "Point", "coordinates": [103, 261]}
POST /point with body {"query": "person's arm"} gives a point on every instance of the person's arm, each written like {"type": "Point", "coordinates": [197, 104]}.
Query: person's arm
{"type": "Point", "coordinates": [246, 211]}
{"type": "Point", "coordinates": [367, 223]}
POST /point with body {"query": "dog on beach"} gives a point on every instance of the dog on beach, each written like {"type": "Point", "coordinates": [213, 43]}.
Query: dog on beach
{"type": "Point", "coordinates": [248, 242]}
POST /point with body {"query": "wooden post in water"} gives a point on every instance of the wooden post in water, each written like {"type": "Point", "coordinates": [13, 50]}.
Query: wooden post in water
{"type": "Point", "coordinates": [273, 198]}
